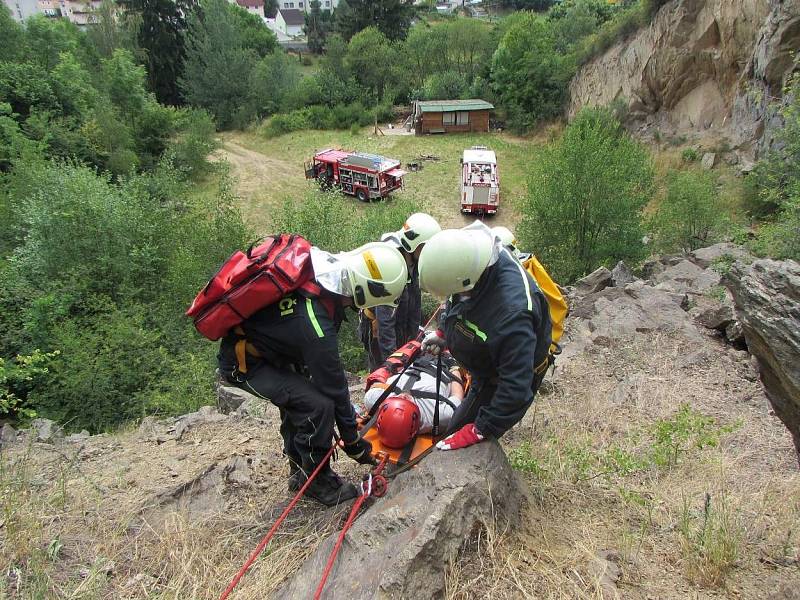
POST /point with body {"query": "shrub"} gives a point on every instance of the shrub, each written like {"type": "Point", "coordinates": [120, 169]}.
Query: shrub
{"type": "Point", "coordinates": [101, 275]}
{"type": "Point", "coordinates": [195, 141]}
{"type": "Point", "coordinates": [585, 199]}
{"type": "Point", "coordinates": [689, 155]}
{"type": "Point", "coordinates": [286, 123]}
{"type": "Point", "coordinates": [691, 216]}
{"type": "Point", "coordinates": [777, 182]}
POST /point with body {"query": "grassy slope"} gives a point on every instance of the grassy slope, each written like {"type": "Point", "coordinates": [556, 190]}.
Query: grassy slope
{"type": "Point", "coordinates": [435, 187]}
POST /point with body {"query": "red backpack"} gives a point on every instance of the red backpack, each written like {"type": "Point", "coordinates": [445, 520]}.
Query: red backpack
{"type": "Point", "coordinates": [252, 280]}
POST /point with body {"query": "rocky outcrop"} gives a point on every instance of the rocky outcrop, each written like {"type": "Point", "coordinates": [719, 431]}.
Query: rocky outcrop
{"type": "Point", "coordinates": [401, 547]}
{"type": "Point", "coordinates": [700, 66]}
{"type": "Point", "coordinates": [767, 297]}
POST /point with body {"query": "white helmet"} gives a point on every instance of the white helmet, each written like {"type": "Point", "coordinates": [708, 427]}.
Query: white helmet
{"type": "Point", "coordinates": [377, 274]}
{"type": "Point", "coordinates": [506, 237]}
{"type": "Point", "coordinates": [418, 229]}
{"type": "Point", "coordinates": [453, 260]}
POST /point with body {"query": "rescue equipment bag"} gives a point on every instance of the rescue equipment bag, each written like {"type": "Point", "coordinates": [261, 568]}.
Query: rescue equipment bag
{"type": "Point", "coordinates": [252, 280]}
{"type": "Point", "coordinates": [555, 299]}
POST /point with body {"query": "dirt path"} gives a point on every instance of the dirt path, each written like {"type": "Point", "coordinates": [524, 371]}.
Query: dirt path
{"type": "Point", "coordinates": [255, 173]}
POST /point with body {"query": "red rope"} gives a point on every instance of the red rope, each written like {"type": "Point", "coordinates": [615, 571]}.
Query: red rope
{"type": "Point", "coordinates": [367, 492]}
{"type": "Point", "coordinates": [332, 558]}
{"type": "Point", "coordinates": [271, 533]}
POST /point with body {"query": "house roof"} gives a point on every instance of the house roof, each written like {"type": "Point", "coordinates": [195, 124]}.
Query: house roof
{"type": "Point", "coordinates": [292, 16]}
{"type": "Point", "coordinates": [451, 105]}
{"type": "Point", "coordinates": [250, 3]}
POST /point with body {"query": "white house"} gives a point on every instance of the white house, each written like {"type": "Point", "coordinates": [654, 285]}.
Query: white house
{"type": "Point", "coordinates": [22, 9]}
{"type": "Point", "coordinates": [290, 21]}
{"type": "Point", "coordinates": [305, 5]}
{"type": "Point", "coordinates": [255, 7]}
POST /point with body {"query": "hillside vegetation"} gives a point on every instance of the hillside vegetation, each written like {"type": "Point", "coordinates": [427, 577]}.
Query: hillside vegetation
{"type": "Point", "coordinates": [137, 156]}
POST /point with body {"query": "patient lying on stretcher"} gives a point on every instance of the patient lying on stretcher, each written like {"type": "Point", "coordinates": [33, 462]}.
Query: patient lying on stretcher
{"type": "Point", "coordinates": [419, 382]}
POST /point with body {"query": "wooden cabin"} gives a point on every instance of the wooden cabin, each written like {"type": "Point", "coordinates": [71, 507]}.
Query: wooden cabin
{"type": "Point", "coordinates": [451, 116]}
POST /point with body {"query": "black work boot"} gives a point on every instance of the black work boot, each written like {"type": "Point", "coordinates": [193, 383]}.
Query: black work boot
{"type": "Point", "coordinates": [329, 489]}
{"type": "Point", "coordinates": [296, 476]}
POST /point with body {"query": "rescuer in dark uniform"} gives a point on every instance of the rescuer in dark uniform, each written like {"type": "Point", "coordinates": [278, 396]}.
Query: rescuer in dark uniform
{"type": "Point", "coordinates": [496, 324]}
{"type": "Point", "coordinates": [386, 328]}
{"type": "Point", "coordinates": [288, 354]}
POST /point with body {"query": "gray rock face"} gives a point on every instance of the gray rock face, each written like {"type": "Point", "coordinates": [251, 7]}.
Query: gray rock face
{"type": "Point", "coordinates": [8, 434]}
{"type": "Point", "coordinates": [399, 547]}
{"type": "Point", "coordinates": [709, 161]}
{"type": "Point", "coordinates": [767, 298]}
{"type": "Point", "coordinates": [701, 65]}
{"type": "Point", "coordinates": [686, 277]}
{"type": "Point", "coordinates": [717, 317]}
{"type": "Point", "coordinates": [230, 398]}
{"type": "Point", "coordinates": [206, 414]}
{"type": "Point", "coordinates": [705, 257]}
{"type": "Point", "coordinates": [594, 282]}
{"type": "Point", "coordinates": [621, 275]}
{"type": "Point", "coordinates": [619, 313]}
{"type": "Point", "coordinates": [46, 431]}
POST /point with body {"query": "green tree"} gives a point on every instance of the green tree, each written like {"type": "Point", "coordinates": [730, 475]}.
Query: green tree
{"type": "Point", "coordinates": [48, 38]}
{"type": "Point", "coordinates": [586, 196]}
{"type": "Point", "coordinates": [12, 36]}
{"type": "Point", "coordinates": [115, 29]}
{"type": "Point", "coordinates": [529, 76]}
{"type": "Point", "coordinates": [274, 79]}
{"type": "Point", "coordinates": [391, 17]}
{"type": "Point", "coordinates": [218, 65]}
{"type": "Point", "coordinates": [369, 58]}
{"type": "Point", "coordinates": [161, 35]}
{"type": "Point", "coordinates": [317, 26]}
{"type": "Point", "coordinates": [691, 215]}
{"type": "Point", "coordinates": [254, 34]}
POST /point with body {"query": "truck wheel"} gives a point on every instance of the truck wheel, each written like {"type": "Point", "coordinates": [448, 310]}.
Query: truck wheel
{"type": "Point", "coordinates": [362, 196]}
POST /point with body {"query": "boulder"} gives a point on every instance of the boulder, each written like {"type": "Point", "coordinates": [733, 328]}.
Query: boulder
{"type": "Point", "coordinates": [717, 317]}
{"type": "Point", "coordinates": [686, 277]}
{"type": "Point", "coordinates": [705, 257]}
{"type": "Point", "coordinates": [734, 333]}
{"type": "Point", "coordinates": [46, 431]}
{"type": "Point", "coordinates": [767, 298]}
{"type": "Point", "coordinates": [709, 161]}
{"type": "Point", "coordinates": [230, 398]}
{"type": "Point", "coordinates": [400, 547]}
{"type": "Point", "coordinates": [206, 414]}
{"type": "Point", "coordinates": [8, 435]}
{"type": "Point", "coordinates": [621, 313]}
{"type": "Point", "coordinates": [77, 438]}
{"type": "Point", "coordinates": [621, 275]}
{"type": "Point", "coordinates": [594, 282]}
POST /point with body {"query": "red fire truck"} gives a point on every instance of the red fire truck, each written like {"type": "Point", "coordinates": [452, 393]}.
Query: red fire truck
{"type": "Point", "coordinates": [365, 176]}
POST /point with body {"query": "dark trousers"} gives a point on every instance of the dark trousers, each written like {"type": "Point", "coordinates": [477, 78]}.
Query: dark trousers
{"type": "Point", "coordinates": [481, 396]}
{"type": "Point", "coordinates": [307, 415]}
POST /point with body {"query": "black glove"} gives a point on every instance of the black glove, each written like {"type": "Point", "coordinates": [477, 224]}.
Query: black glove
{"type": "Point", "coordinates": [361, 452]}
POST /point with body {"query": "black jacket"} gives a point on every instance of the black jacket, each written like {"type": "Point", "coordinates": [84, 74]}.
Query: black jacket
{"type": "Point", "coordinates": [500, 333]}
{"type": "Point", "coordinates": [298, 333]}
{"type": "Point", "coordinates": [396, 326]}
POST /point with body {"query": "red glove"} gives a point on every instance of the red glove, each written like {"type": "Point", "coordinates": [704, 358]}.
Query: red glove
{"type": "Point", "coordinates": [466, 436]}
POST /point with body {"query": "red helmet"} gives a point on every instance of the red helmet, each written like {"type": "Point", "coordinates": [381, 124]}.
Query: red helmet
{"type": "Point", "coordinates": [398, 421]}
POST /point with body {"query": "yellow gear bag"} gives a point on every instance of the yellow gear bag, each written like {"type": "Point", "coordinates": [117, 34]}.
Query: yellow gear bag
{"type": "Point", "coordinates": [555, 299]}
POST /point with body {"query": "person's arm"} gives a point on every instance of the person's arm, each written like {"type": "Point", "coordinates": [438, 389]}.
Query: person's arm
{"type": "Point", "coordinates": [456, 393]}
{"type": "Point", "coordinates": [387, 337]}
{"type": "Point", "coordinates": [512, 348]}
